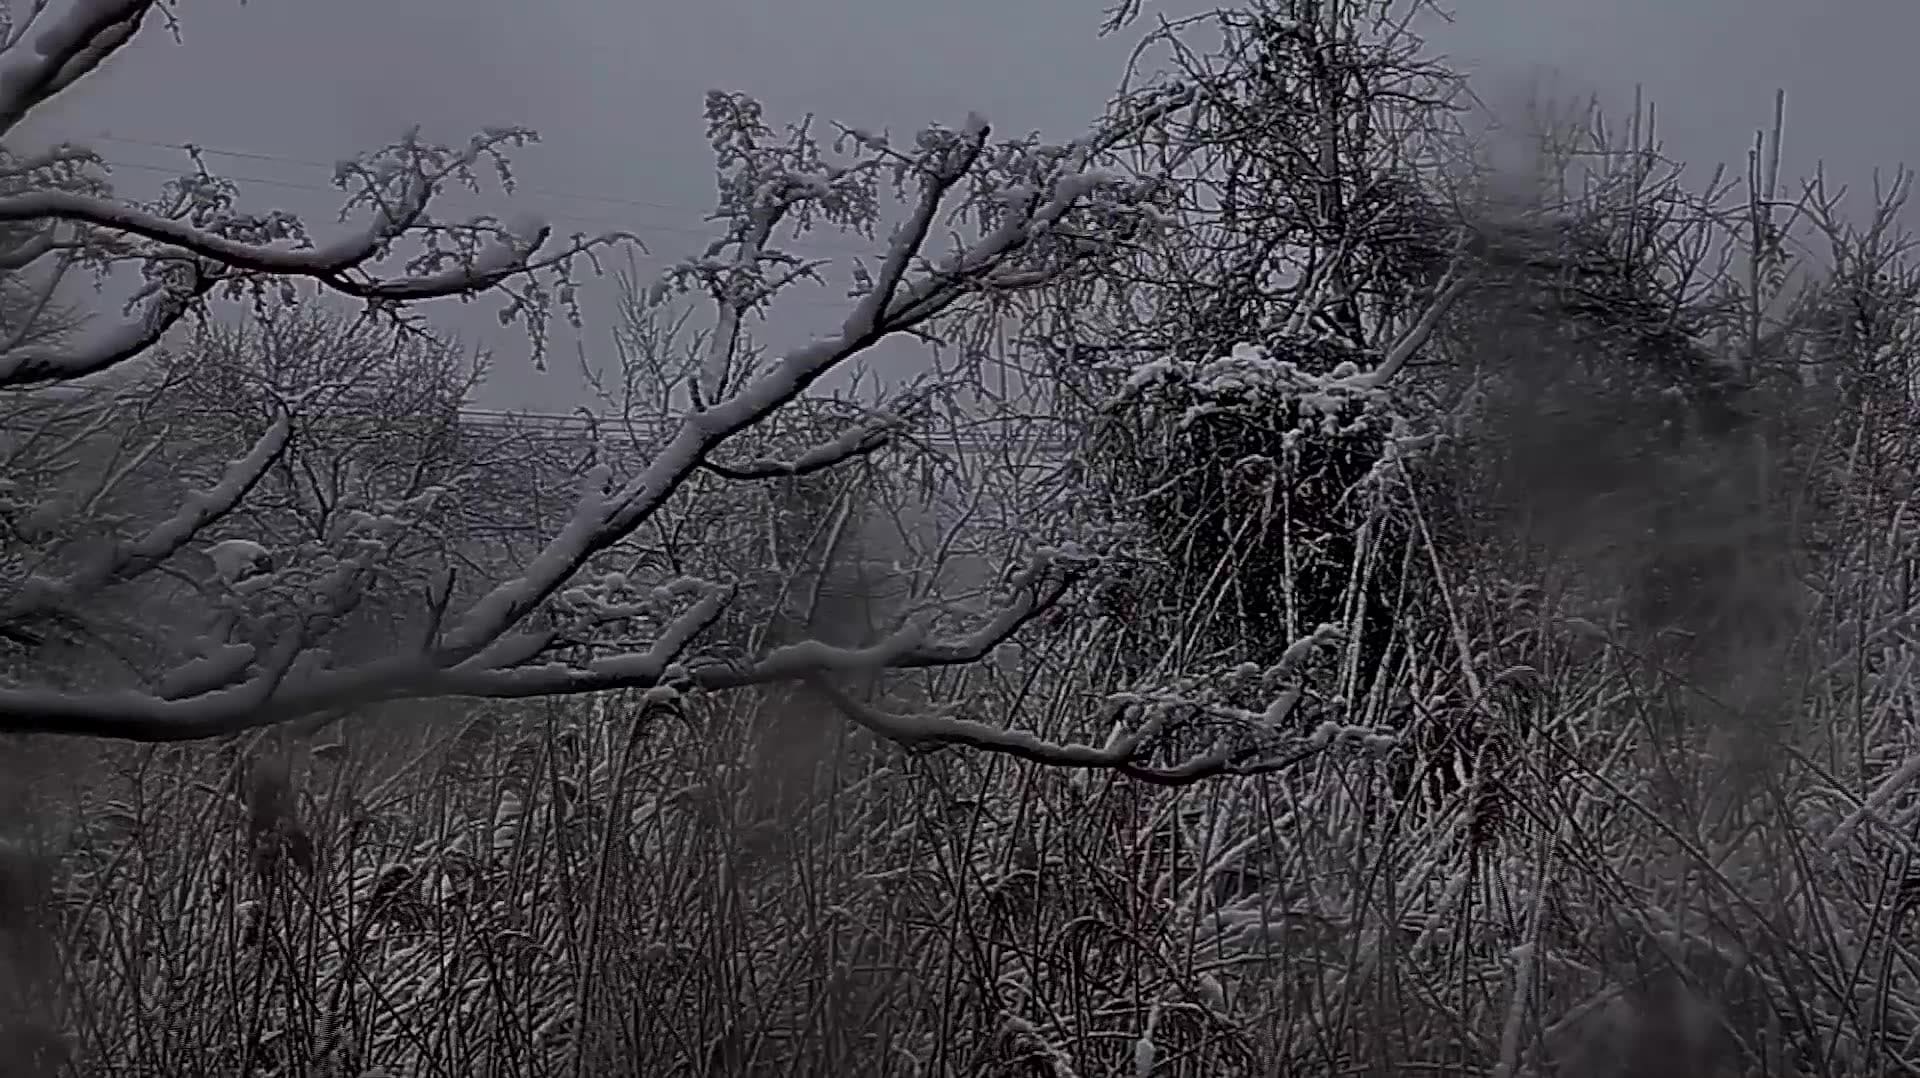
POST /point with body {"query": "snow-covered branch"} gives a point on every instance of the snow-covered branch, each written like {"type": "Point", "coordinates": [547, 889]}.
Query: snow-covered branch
{"type": "Point", "coordinates": [1124, 753]}
{"type": "Point", "coordinates": [1263, 742]}
{"type": "Point", "coordinates": [125, 561]}
{"type": "Point", "coordinates": [857, 441]}
{"type": "Point", "coordinates": [193, 239]}
{"type": "Point", "coordinates": [272, 646]}
{"type": "Point", "coordinates": [247, 695]}
{"type": "Point", "coordinates": [1409, 343]}
{"type": "Point", "coordinates": [328, 264]}
{"type": "Point", "coordinates": [325, 262]}
{"type": "Point", "coordinates": [1018, 241]}
{"type": "Point", "coordinates": [70, 40]}
{"type": "Point", "coordinates": [178, 287]}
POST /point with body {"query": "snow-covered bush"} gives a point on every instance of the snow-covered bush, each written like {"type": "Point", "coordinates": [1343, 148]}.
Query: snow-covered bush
{"type": "Point", "coordinates": [1259, 479]}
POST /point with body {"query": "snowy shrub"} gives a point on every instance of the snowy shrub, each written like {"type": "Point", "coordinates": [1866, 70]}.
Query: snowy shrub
{"type": "Point", "coordinates": [1260, 482]}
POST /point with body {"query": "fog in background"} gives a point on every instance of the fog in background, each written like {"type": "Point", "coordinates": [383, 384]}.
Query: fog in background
{"type": "Point", "coordinates": [285, 87]}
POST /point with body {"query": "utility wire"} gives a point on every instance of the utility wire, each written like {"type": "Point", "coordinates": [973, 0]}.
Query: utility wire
{"type": "Point", "coordinates": [293, 185]}
{"type": "Point", "coordinates": [255, 155]}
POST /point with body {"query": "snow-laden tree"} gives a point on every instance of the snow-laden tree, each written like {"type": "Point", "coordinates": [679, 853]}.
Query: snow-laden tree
{"type": "Point", "coordinates": [262, 628]}
{"type": "Point", "coordinates": [1236, 402]}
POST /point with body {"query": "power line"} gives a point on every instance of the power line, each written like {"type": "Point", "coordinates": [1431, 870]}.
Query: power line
{"type": "Point", "coordinates": [255, 155]}
{"type": "Point", "coordinates": [297, 186]}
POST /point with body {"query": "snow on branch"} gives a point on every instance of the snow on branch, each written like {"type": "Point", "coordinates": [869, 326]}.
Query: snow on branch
{"type": "Point", "coordinates": [125, 561]}
{"type": "Point", "coordinates": [252, 692]}
{"type": "Point", "coordinates": [324, 262]}
{"type": "Point", "coordinates": [857, 441]}
{"type": "Point", "coordinates": [173, 290]}
{"type": "Point", "coordinates": [61, 43]}
{"type": "Point", "coordinates": [1262, 742]}
{"type": "Point", "coordinates": [192, 239]}
{"type": "Point", "coordinates": [1018, 199]}
{"type": "Point", "coordinates": [30, 249]}
{"type": "Point", "coordinates": [1416, 336]}
{"type": "Point", "coordinates": [329, 264]}
{"type": "Point", "coordinates": [1036, 589]}
{"type": "Point", "coordinates": [1036, 213]}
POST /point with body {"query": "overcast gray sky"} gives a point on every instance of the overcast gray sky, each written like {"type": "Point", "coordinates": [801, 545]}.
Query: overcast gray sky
{"type": "Point", "coordinates": [616, 89]}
